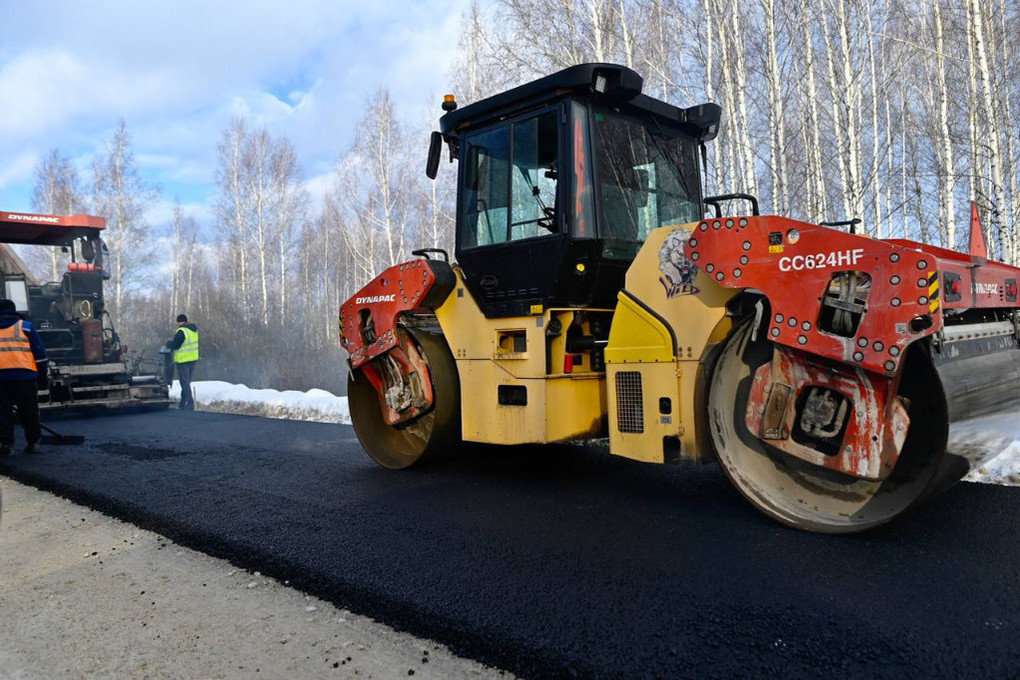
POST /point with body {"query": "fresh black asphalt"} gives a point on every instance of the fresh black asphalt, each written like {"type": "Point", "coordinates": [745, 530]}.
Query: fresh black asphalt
{"type": "Point", "coordinates": [563, 561]}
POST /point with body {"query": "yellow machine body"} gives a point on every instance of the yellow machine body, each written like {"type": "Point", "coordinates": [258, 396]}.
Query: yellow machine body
{"type": "Point", "coordinates": [495, 355]}
{"type": "Point", "coordinates": [645, 399]}
{"type": "Point", "coordinates": [659, 344]}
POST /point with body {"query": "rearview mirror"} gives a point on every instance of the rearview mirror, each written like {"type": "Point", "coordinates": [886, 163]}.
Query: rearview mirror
{"type": "Point", "coordinates": [474, 160]}
{"type": "Point", "coordinates": [705, 117]}
{"type": "Point", "coordinates": [435, 148]}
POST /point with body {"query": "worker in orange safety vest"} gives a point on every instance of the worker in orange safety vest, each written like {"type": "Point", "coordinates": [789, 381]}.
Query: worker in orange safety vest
{"type": "Point", "coordinates": [23, 371]}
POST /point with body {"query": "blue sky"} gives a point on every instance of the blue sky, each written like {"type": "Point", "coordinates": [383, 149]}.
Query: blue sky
{"type": "Point", "coordinates": [177, 71]}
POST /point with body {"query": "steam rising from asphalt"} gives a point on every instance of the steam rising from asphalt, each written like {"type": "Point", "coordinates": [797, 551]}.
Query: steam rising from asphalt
{"type": "Point", "coordinates": [992, 445]}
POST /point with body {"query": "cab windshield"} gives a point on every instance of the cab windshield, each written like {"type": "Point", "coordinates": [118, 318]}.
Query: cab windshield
{"type": "Point", "coordinates": [647, 177]}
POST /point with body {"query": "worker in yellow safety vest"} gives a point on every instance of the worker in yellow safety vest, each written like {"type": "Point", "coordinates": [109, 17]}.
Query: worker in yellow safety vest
{"type": "Point", "coordinates": [185, 352]}
{"type": "Point", "coordinates": [23, 371]}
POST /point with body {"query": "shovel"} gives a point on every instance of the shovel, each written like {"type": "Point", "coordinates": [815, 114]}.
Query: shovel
{"type": "Point", "coordinates": [58, 439]}
{"type": "Point", "coordinates": [55, 437]}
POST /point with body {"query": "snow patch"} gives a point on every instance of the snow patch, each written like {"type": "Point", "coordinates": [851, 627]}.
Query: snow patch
{"type": "Point", "coordinates": [1003, 469]}
{"type": "Point", "coordinates": [314, 405]}
{"type": "Point", "coordinates": [992, 444]}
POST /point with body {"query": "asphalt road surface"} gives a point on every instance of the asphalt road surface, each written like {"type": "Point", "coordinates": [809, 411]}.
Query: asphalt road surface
{"type": "Point", "coordinates": [563, 561]}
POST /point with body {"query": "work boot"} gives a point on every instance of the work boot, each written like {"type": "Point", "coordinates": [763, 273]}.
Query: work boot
{"type": "Point", "coordinates": [6, 449]}
{"type": "Point", "coordinates": [30, 447]}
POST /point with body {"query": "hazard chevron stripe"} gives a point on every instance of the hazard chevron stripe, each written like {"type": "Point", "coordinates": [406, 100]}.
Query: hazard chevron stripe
{"type": "Point", "coordinates": [933, 292]}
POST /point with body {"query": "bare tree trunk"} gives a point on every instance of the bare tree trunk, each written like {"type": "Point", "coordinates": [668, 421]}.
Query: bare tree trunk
{"type": "Point", "coordinates": [708, 10]}
{"type": "Point", "coordinates": [192, 256]}
{"type": "Point", "coordinates": [919, 204]}
{"type": "Point", "coordinates": [903, 171]}
{"type": "Point", "coordinates": [1001, 48]}
{"type": "Point", "coordinates": [625, 31]}
{"type": "Point", "coordinates": [947, 183]}
{"type": "Point", "coordinates": [258, 189]}
{"type": "Point", "coordinates": [750, 183]}
{"type": "Point", "coordinates": [972, 116]}
{"type": "Point", "coordinates": [852, 132]}
{"type": "Point", "coordinates": [596, 9]}
{"type": "Point", "coordinates": [237, 136]}
{"type": "Point", "coordinates": [994, 152]}
{"type": "Point", "coordinates": [816, 176]}
{"type": "Point", "coordinates": [1011, 141]}
{"type": "Point", "coordinates": [890, 170]}
{"type": "Point", "coordinates": [837, 109]}
{"type": "Point", "coordinates": [117, 177]}
{"type": "Point", "coordinates": [845, 93]}
{"type": "Point", "coordinates": [730, 149]}
{"type": "Point", "coordinates": [177, 245]}
{"type": "Point", "coordinates": [777, 120]}
{"type": "Point", "coordinates": [875, 179]}
{"type": "Point", "coordinates": [283, 283]}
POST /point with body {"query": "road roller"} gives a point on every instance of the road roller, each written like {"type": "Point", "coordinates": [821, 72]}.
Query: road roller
{"type": "Point", "coordinates": [595, 293]}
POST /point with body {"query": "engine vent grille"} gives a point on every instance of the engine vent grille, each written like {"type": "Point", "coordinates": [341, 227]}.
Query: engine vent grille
{"type": "Point", "coordinates": [630, 414]}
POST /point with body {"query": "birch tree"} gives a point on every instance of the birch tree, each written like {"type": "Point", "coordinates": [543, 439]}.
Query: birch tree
{"type": "Point", "coordinates": [256, 164]}
{"type": "Point", "coordinates": [373, 185]}
{"type": "Point", "coordinates": [947, 183]}
{"type": "Point", "coordinates": [260, 207]}
{"type": "Point", "coordinates": [738, 80]}
{"type": "Point", "coordinates": [817, 200]}
{"type": "Point", "coordinates": [776, 116]}
{"type": "Point", "coordinates": [57, 192]}
{"type": "Point", "coordinates": [231, 203]}
{"type": "Point", "coordinates": [845, 100]}
{"type": "Point", "coordinates": [289, 209]}
{"type": "Point", "coordinates": [183, 237]}
{"type": "Point", "coordinates": [987, 103]}
{"type": "Point", "coordinates": [122, 196]}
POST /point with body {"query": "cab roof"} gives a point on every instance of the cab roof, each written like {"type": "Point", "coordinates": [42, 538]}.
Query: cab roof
{"type": "Point", "coordinates": [617, 85]}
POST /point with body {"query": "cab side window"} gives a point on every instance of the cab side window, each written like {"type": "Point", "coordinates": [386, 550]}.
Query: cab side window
{"type": "Point", "coordinates": [510, 182]}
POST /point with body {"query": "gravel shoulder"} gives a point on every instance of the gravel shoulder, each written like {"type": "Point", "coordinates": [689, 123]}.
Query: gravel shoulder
{"type": "Point", "coordinates": [85, 595]}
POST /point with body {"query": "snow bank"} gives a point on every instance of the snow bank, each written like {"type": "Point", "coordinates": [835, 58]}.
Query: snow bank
{"type": "Point", "coordinates": [993, 444]}
{"type": "Point", "coordinates": [323, 407]}
{"type": "Point", "coordinates": [1003, 469]}
{"type": "Point", "coordinates": [223, 397]}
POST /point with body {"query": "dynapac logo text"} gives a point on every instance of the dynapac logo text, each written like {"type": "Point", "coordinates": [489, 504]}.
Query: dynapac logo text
{"type": "Point", "coordinates": [987, 288]}
{"type": "Point", "coordinates": [33, 218]}
{"type": "Point", "coordinates": [374, 298]}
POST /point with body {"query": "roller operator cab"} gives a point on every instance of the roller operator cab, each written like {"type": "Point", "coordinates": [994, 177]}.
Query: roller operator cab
{"type": "Point", "coordinates": [591, 298]}
{"type": "Point", "coordinates": [561, 181]}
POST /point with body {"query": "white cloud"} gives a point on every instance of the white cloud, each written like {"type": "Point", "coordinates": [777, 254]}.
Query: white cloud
{"type": "Point", "coordinates": [176, 72]}
{"type": "Point", "coordinates": [31, 89]}
{"type": "Point", "coordinates": [40, 90]}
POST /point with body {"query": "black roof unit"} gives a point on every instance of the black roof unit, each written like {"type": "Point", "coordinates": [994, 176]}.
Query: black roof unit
{"type": "Point", "coordinates": [616, 84]}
